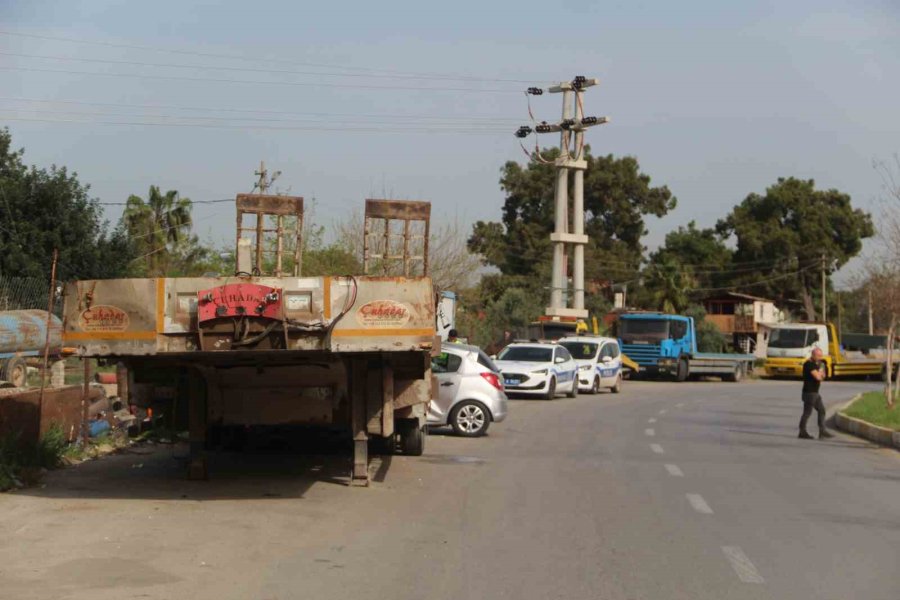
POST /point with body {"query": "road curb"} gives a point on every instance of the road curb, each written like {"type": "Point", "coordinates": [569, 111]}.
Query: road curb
{"type": "Point", "coordinates": [859, 428]}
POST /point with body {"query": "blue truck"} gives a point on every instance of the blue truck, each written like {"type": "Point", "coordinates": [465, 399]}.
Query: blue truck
{"type": "Point", "coordinates": [666, 345]}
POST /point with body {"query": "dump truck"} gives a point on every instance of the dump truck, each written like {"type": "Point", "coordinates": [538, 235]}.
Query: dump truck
{"type": "Point", "coordinates": [790, 344]}
{"type": "Point", "coordinates": [664, 344]}
{"type": "Point", "coordinates": [224, 354]}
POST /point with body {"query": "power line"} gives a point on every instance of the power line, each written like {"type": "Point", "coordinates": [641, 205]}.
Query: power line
{"type": "Point", "coordinates": [192, 202]}
{"type": "Point", "coordinates": [107, 44]}
{"type": "Point", "coordinates": [413, 124]}
{"type": "Point", "coordinates": [255, 110]}
{"type": "Point", "coordinates": [752, 283]}
{"type": "Point", "coordinates": [138, 63]}
{"type": "Point", "coordinates": [368, 86]}
{"type": "Point", "coordinates": [481, 130]}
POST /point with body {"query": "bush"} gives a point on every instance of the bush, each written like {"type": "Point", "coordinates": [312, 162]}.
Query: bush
{"type": "Point", "coordinates": [17, 458]}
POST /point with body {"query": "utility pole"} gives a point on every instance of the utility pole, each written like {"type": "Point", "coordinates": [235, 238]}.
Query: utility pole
{"type": "Point", "coordinates": [871, 321]}
{"type": "Point", "coordinates": [562, 236]}
{"type": "Point", "coordinates": [263, 183]}
{"type": "Point", "coordinates": [824, 305]}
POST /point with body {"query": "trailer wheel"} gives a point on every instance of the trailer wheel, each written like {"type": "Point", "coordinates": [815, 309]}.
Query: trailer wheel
{"type": "Point", "coordinates": [736, 375]}
{"type": "Point", "coordinates": [15, 371]}
{"type": "Point", "coordinates": [683, 370]}
{"type": "Point", "coordinates": [412, 437]}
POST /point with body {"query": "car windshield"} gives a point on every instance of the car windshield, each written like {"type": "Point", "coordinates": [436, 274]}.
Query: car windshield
{"type": "Point", "coordinates": [526, 354]}
{"type": "Point", "coordinates": [788, 338]}
{"type": "Point", "coordinates": [581, 350]}
{"type": "Point", "coordinates": [643, 330]}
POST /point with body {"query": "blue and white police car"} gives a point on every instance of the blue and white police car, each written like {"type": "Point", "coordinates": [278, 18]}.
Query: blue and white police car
{"type": "Point", "coordinates": [538, 369]}
{"type": "Point", "coordinates": [599, 362]}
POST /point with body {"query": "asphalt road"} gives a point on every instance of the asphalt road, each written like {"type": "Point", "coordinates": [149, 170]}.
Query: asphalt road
{"type": "Point", "coordinates": [694, 491]}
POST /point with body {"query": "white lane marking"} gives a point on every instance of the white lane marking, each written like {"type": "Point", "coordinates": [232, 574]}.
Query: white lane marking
{"type": "Point", "coordinates": [745, 570]}
{"type": "Point", "coordinates": [651, 420]}
{"type": "Point", "coordinates": [699, 504]}
{"type": "Point", "coordinates": [657, 448]}
{"type": "Point", "coordinates": [650, 431]}
{"type": "Point", "coordinates": [674, 471]}
{"type": "Point", "coordinates": [679, 405]}
{"type": "Point", "coordinates": [663, 411]}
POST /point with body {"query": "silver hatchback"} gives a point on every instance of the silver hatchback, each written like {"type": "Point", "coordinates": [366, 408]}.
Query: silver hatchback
{"type": "Point", "coordinates": [470, 395]}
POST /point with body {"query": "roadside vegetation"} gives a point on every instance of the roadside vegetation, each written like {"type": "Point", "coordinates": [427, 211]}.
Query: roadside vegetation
{"type": "Point", "coordinates": [872, 408]}
{"type": "Point", "coordinates": [22, 464]}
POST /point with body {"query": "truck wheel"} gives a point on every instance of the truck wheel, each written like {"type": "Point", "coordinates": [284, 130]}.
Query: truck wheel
{"type": "Point", "coordinates": [683, 370]}
{"type": "Point", "coordinates": [574, 391]}
{"type": "Point", "coordinates": [15, 371]}
{"type": "Point", "coordinates": [470, 419]}
{"type": "Point", "coordinates": [412, 437]}
{"type": "Point", "coordinates": [736, 375]}
{"type": "Point", "coordinates": [551, 390]}
{"type": "Point", "coordinates": [618, 387]}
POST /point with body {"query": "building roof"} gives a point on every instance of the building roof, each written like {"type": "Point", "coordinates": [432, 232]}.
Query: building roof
{"type": "Point", "coordinates": [737, 296]}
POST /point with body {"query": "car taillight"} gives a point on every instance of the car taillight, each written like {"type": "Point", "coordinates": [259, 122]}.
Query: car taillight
{"type": "Point", "coordinates": [492, 379]}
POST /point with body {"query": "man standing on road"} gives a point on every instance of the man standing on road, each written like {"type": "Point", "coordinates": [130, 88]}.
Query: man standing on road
{"type": "Point", "coordinates": [452, 336]}
{"type": "Point", "coordinates": [813, 374]}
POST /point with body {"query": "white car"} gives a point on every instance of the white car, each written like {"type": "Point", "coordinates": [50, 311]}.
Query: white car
{"type": "Point", "coordinates": [471, 395]}
{"type": "Point", "coordinates": [599, 362]}
{"type": "Point", "coordinates": [537, 369]}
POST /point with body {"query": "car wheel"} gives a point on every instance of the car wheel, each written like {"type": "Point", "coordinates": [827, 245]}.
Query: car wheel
{"type": "Point", "coordinates": [574, 391]}
{"type": "Point", "coordinates": [618, 387]}
{"type": "Point", "coordinates": [470, 419]}
{"type": "Point", "coordinates": [551, 390]}
{"type": "Point", "coordinates": [15, 371]}
{"type": "Point", "coordinates": [595, 387]}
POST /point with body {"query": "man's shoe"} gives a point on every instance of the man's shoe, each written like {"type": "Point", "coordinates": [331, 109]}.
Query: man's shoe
{"type": "Point", "coordinates": [824, 435]}
{"type": "Point", "coordinates": [805, 436]}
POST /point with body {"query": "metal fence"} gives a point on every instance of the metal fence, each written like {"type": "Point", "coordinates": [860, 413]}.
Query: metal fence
{"type": "Point", "coordinates": [22, 293]}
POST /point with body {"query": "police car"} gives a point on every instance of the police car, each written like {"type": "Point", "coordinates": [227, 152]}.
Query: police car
{"type": "Point", "coordinates": [599, 362]}
{"type": "Point", "coordinates": [538, 369]}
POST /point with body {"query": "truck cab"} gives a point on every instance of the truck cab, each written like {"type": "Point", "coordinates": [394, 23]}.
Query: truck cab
{"type": "Point", "coordinates": [790, 345]}
{"type": "Point", "coordinates": [656, 341]}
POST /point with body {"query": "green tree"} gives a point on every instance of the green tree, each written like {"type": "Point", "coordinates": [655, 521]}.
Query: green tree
{"type": "Point", "coordinates": [617, 197]}
{"type": "Point", "coordinates": [160, 229]}
{"type": "Point", "coordinates": [690, 258]}
{"type": "Point", "coordinates": [46, 209]}
{"type": "Point", "coordinates": [709, 337]}
{"type": "Point", "coordinates": [786, 233]}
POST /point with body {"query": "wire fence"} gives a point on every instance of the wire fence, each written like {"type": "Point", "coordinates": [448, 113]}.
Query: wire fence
{"type": "Point", "coordinates": [22, 293]}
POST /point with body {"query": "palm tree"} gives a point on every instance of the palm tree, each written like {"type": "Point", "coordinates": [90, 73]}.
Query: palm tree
{"type": "Point", "coordinates": [159, 227]}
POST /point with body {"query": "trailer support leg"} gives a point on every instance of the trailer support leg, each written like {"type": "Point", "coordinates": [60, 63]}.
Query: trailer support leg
{"type": "Point", "coordinates": [197, 424]}
{"type": "Point", "coordinates": [359, 474]}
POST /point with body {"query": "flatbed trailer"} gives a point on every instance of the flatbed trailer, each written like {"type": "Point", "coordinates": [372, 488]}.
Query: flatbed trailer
{"type": "Point", "coordinates": [223, 354]}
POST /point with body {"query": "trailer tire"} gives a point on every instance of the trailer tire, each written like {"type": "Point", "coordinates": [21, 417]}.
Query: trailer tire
{"type": "Point", "coordinates": [15, 371]}
{"type": "Point", "coordinates": [736, 375]}
{"type": "Point", "coordinates": [412, 437]}
{"type": "Point", "coordinates": [683, 370]}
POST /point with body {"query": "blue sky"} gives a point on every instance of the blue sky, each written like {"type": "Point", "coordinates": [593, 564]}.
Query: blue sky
{"type": "Point", "coordinates": [716, 99]}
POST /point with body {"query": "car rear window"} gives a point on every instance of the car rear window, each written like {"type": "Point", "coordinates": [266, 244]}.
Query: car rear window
{"type": "Point", "coordinates": [485, 361]}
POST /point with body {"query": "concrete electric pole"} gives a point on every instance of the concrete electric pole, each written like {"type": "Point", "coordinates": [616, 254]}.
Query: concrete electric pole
{"type": "Point", "coordinates": [568, 233]}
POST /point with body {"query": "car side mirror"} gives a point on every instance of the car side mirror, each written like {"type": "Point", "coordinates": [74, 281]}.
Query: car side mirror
{"type": "Point", "coordinates": [493, 357]}
{"type": "Point", "coordinates": [559, 359]}
{"type": "Point", "coordinates": [607, 359]}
